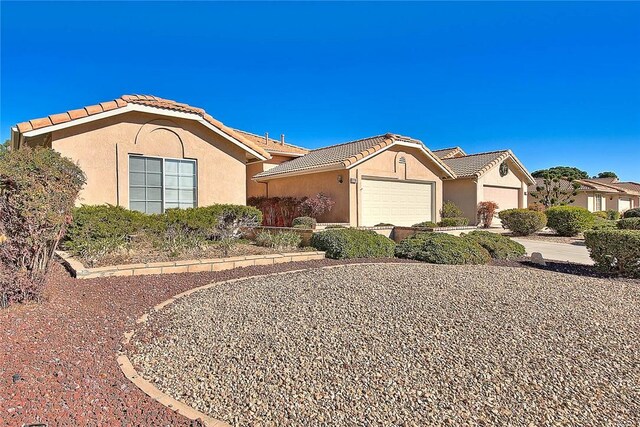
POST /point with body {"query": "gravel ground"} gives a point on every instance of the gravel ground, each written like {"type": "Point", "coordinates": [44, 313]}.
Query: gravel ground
{"type": "Point", "coordinates": [406, 345]}
{"type": "Point", "coordinates": [58, 357]}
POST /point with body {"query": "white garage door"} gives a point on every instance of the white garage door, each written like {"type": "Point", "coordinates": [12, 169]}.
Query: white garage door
{"type": "Point", "coordinates": [396, 202]}
{"type": "Point", "coordinates": [624, 204]}
{"type": "Point", "coordinates": [506, 198]}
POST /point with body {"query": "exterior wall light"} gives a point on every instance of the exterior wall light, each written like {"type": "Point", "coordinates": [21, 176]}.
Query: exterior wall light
{"type": "Point", "coordinates": [340, 179]}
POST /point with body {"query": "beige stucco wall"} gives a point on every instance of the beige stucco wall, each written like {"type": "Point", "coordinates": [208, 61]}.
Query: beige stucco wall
{"type": "Point", "coordinates": [259, 189]}
{"type": "Point", "coordinates": [102, 150]}
{"type": "Point", "coordinates": [462, 192]}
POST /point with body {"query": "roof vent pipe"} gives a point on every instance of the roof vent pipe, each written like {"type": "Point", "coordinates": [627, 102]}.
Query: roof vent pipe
{"type": "Point", "coordinates": [282, 138]}
{"type": "Point", "coordinates": [266, 138]}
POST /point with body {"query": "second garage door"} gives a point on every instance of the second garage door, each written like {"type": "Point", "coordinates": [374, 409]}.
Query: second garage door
{"type": "Point", "coordinates": [396, 202]}
{"type": "Point", "coordinates": [506, 198]}
{"type": "Point", "coordinates": [624, 204]}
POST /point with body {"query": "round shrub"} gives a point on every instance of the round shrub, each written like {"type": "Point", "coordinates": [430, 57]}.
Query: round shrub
{"type": "Point", "coordinates": [341, 243]}
{"type": "Point", "coordinates": [425, 224]}
{"type": "Point", "coordinates": [613, 215]}
{"type": "Point", "coordinates": [603, 224]}
{"type": "Point", "coordinates": [440, 248]}
{"type": "Point", "coordinates": [498, 246]}
{"type": "Point", "coordinates": [600, 214]}
{"type": "Point", "coordinates": [523, 222]}
{"type": "Point", "coordinates": [454, 222]}
{"type": "Point", "coordinates": [629, 223]}
{"type": "Point", "coordinates": [304, 222]}
{"type": "Point", "coordinates": [615, 251]}
{"type": "Point", "coordinates": [569, 220]}
{"type": "Point", "coordinates": [632, 213]}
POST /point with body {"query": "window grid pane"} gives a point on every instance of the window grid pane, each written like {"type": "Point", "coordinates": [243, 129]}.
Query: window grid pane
{"type": "Point", "coordinates": [180, 183]}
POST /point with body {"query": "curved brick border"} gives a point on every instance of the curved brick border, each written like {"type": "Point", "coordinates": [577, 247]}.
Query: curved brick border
{"type": "Point", "coordinates": [152, 391]}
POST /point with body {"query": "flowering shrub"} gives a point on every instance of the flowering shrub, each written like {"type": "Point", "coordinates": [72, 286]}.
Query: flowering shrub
{"type": "Point", "coordinates": [486, 212]}
{"type": "Point", "coordinates": [38, 188]}
{"type": "Point", "coordinates": [278, 211]}
{"type": "Point", "coordinates": [317, 205]}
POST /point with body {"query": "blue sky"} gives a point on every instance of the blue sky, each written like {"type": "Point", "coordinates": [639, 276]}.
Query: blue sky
{"type": "Point", "coordinates": [558, 83]}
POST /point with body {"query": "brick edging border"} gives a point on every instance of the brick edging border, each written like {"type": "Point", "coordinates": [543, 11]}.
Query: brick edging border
{"type": "Point", "coordinates": [164, 399]}
{"type": "Point", "coordinates": [79, 271]}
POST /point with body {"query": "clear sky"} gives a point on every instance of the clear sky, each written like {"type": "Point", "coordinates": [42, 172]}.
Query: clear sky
{"type": "Point", "coordinates": [558, 83]}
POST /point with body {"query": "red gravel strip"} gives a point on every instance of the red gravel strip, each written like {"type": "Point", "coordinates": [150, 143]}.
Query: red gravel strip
{"type": "Point", "coordinates": [58, 358]}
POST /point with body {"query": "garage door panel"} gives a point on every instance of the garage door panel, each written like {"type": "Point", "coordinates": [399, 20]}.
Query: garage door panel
{"type": "Point", "coordinates": [506, 198]}
{"type": "Point", "coordinates": [624, 204]}
{"type": "Point", "coordinates": [396, 202]}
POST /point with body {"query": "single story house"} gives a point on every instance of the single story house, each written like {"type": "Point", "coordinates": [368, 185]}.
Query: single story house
{"type": "Point", "coordinates": [147, 153]}
{"type": "Point", "coordinates": [496, 176]}
{"type": "Point", "coordinates": [598, 194]}
{"type": "Point", "coordinates": [381, 179]}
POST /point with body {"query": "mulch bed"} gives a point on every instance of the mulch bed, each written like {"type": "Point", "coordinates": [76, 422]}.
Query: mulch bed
{"type": "Point", "coordinates": [58, 357]}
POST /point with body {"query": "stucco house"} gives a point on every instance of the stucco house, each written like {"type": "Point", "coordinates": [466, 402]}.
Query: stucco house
{"type": "Point", "coordinates": [496, 176]}
{"type": "Point", "coordinates": [599, 194]}
{"type": "Point", "coordinates": [147, 153]}
{"type": "Point", "coordinates": [381, 179]}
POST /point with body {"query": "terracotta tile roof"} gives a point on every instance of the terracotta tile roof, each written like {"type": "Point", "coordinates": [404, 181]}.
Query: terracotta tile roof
{"type": "Point", "coordinates": [446, 153]}
{"type": "Point", "coordinates": [147, 100]}
{"type": "Point", "coordinates": [630, 187]}
{"type": "Point", "coordinates": [340, 155]}
{"type": "Point", "coordinates": [585, 185]}
{"type": "Point", "coordinates": [273, 146]}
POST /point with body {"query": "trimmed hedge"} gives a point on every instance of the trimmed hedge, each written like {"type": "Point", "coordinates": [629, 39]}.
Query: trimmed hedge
{"type": "Point", "coordinates": [278, 239]}
{"type": "Point", "coordinates": [425, 224]}
{"type": "Point", "coordinates": [569, 220]}
{"type": "Point", "coordinates": [629, 224]}
{"type": "Point", "coordinates": [440, 248]}
{"type": "Point", "coordinates": [454, 222]}
{"type": "Point", "coordinates": [603, 224]}
{"type": "Point", "coordinates": [522, 222]}
{"type": "Point", "coordinates": [632, 213]}
{"type": "Point", "coordinates": [304, 222]}
{"type": "Point", "coordinates": [498, 246]}
{"type": "Point", "coordinates": [615, 251]}
{"type": "Point", "coordinates": [341, 243]}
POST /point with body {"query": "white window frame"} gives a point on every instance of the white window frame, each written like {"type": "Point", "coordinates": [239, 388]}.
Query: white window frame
{"type": "Point", "coordinates": [164, 188]}
{"type": "Point", "coordinates": [598, 198]}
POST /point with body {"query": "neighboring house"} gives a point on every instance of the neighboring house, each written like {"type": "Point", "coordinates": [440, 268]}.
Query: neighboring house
{"type": "Point", "coordinates": [280, 152]}
{"type": "Point", "coordinates": [599, 194]}
{"type": "Point", "coordinates": [381, 179]}
{"type": "Point", "coordinates": [496, 176]}
{"type": "Point", "coordinates": [147, 153]}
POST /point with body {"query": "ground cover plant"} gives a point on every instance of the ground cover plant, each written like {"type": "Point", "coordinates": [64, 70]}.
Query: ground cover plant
{"type": "Point", "coordinates": [523, 222]}
{"type": "Point", "coordinates": [342, 243]}
{"type": "Point", "coordinates": [498, 246]}
{"type": "Point", "coordinates": [440, 248]}
{"type": "Point", "coordinates": [38, 188]}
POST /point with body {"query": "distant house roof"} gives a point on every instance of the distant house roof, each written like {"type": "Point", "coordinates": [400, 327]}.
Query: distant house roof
{"type": "Point", "coordinates": [633, 187]}
{"type": "Point", "coordinates": [274, 146]}
{"type": "Point", "coordinates": [446, 153]}
{"type": "Point", "coordinates": [595, 185]}
{"type": "Point", "coordinates": [347, 154]}
{"type": "Point", "coordinates": [126, 101]}
{"type": "Point", "coordinates": [475, 165]}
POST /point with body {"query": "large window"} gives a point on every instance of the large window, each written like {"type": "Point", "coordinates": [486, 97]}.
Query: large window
{"type": "Point", "coordinates": [157, 184]}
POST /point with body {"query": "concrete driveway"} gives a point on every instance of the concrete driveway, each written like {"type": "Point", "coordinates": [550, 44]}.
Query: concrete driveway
{"type": "Point", "coordinates": [557, 251]}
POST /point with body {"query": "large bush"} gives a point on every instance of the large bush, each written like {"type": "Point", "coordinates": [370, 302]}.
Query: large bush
{"type": "Point", "coordinates": [632, 213]}
{"type": "Point", "coordinates": [340, 243]}
{"type": "Point", "coordinates": [615, 251]}
{"type": "Point", "coordinates": [569, 220]}
{"type": "Point", "coordinates": [440, 248]}
{"type": "Point", "coordinates": [38, 188]}
{"type": "Point", "coordinates": [523, 222]}
{"type": "Point", "coordinates": [454, 222]}
{"type": "Point", "coordinates": [498, 246]}
{"type": "Point", "coordinates": [629, 223]}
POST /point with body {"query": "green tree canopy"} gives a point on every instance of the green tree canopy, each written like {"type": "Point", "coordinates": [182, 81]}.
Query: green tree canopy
{"type": "Point", "coordinates": [606, 174]}
{"type": "Point", "coordinates": [566, 172]}
{"type": "Point", "coordinates": [4, 147]}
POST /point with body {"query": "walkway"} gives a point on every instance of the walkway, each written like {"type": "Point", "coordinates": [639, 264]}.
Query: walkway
{"type": "Point", "coordinates": [557, 251]}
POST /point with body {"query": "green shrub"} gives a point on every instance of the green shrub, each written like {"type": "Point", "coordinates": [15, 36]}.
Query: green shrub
{"type": "Point", "coordinates": [632, 213]}
{"type": "Point", "coordinates": [335, 226]}
{"type": "Point", "coordinates": [603, 224]}
{"type": "Point", "coordinates": [38, 189]}
{"type": "Point", "coordinates": [498, 246]}
{"type": "Point", "coordinates": [600, 214]}
{"type": "Point", "coordinates": [569, 220]}
{"type": "Point", "coordinates": [454, 222]}
{"type": "Point", "coordinates": [615, 251]}
{"type": "Point", "coordinates": [304, 222]}
{"type": "Point", "coordinates": [629, 223]}
{"type": "Point", "coordinates": [450, 210]}
{"type": "Point", "coordinates": [440, 248]}
{"type": "Point", "coordinates": [613, 215]}
{"type": "Point", "coordinates": [341, 243]}
{"type": "Point", "coordinates": [278, 239]}
{"type": "Point", "coordinates": [522, 222]}
{"type": "Point", "coordinates": [425, 224]}
{"type": "Point", "coordinates": [383, 224]}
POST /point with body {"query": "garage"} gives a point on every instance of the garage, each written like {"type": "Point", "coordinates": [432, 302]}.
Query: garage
{"type": "Point", "coordinates": [396, 202]}
{"type": "Point", "coordinates": [506, 198]}
{"type": "Point", "coordinates": [624, 204]}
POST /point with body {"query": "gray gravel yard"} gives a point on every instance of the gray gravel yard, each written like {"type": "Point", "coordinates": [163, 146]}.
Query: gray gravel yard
{"type": "Point", "coordinates": [403, 345]}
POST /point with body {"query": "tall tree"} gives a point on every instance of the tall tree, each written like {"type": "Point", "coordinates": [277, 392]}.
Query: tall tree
{"type": "Point", "coordinates": [565, 172]}
{"type": "Point", "coordinates": [607, 174]}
